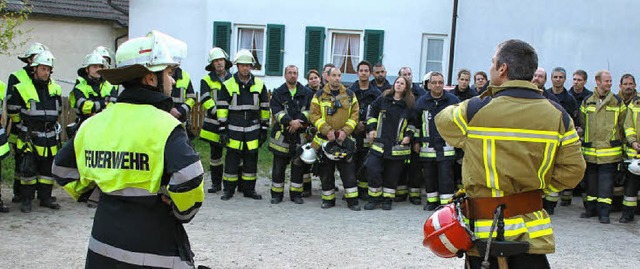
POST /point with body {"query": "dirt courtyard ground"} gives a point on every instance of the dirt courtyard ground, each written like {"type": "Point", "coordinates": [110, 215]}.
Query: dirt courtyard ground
{"type": "Point", "coordinates": [243, 233]}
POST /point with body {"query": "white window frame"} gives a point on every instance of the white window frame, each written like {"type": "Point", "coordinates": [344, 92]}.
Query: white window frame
{"type": "Point", "coordinates": [234, 43]}
{"type": "Point", "coordinates": [328, 58]}
{"type": "Point", "coordinates": [425, 49]}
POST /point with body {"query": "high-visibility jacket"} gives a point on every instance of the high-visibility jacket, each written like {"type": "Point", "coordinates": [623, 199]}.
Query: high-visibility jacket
{"type": "Point", "coordinates": [22, 75]}
{"type": "Point", "coordinates": [134, 164]}
{"type": "Point", "coordinates": [393, 121]}
{"type": "Point", "coordinates": [603, 128]}
{"type": "Point", "coordinates": [4, 146]}
{"type": "Point", "coordinates": [244, 110]}
{"type": "Point", "coordinates": [333, 113]}
{"type": "Point", "coordinates": [35, 106]}
{"type": "Point", "coordinates": [432, 146]}
{"type": "Point", "coordinates": [210, 84]}
{"type": "Point", "coordinates": [91, 96]}
{"type": "Point", "coordinates": [514, 141]}
{"type": "Point", "coordinates": [631, 127]}
{"type": "Point", "coordinates": [365, 99]}
{"type": "Point", "coordinates": [182, 93]}
{"type": "Point", "coordinates": [285, 107]}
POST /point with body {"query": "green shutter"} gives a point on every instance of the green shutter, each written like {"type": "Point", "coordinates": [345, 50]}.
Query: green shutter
{"type": "Point", "coordinates": [373, 45]}
{"type": "Point", "coordinates": [275, 49]}
{"type": "Point", "coordinates": [222, 35]}
{"type": "Point", "coordinates": [313, 49]}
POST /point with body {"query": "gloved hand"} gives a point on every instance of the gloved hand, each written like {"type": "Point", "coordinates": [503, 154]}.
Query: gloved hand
{"type": "Point", "coordinates": [224, 136]}
{"type": "Point", "coordinates": [263, 136]}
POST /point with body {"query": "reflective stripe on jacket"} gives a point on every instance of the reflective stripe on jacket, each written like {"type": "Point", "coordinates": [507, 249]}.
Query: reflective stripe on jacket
{"type": "Point", "coordinates": [603, 128]}
{"type": "Point", "coordinates": [285, 108]}
{"type": "Point", "coordinates": [514, 141]}
{"type": "Point", "coordinates": [210, 84]}
{"type": "Point", "coordinates": [329, 113]}
{"type": "Point", "coordinates": [392, 120]}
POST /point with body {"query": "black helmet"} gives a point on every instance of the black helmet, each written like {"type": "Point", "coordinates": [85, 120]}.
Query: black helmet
{"type": "Point", "coordinates": [336, 151]}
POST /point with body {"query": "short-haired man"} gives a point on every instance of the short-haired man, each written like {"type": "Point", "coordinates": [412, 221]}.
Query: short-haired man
{"type": "Point", "coordinates": [416, 88]}
{"type": "Point", "coordinates": [480, 82]}
{"type": "Point", "coordinates": [462, 90]}
{"type": "Point", "coordinates": [290, 108]}
{"type": "Point", "coordinates": [503, 167]}
{"type": "Point", "coordinates": [366, 93]}
{"type": "Point", "coordinates": [539, 79]}
{"type": "Point", "coordinates": [578, 90]}
{"type": "Point", "coordinates": [558, 78]}
{"type": "Point", "coordinates": [380, 77]}
{"type": "Point", "coordinates": [325, 73]}
{"type": "Point", "coordinates": [631, 130]}
{"type": "Point", "coordinates": [602, 117]}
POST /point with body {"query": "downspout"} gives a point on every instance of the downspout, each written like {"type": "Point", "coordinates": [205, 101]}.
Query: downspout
{"type": "Point", "coordinates": [452, 45]}
{"type": "Point", "coordinates": [115, 42]}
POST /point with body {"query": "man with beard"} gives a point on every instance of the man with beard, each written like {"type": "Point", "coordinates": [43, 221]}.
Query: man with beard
{"type": "Point", "coordinates": [380, 77]}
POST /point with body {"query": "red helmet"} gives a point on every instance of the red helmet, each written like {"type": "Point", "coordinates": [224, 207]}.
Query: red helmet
{"type": "Point", "coordinates": [446, 234]}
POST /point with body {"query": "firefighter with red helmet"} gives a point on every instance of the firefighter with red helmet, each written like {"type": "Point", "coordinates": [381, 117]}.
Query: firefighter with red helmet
{"type": "Point", "coordinates": [517, 144]}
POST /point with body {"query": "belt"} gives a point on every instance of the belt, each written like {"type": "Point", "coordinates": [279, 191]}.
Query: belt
{"type": "Point", "coordinates": [245, 115]}
{"type": "Point", "coordinates": [515, 204]}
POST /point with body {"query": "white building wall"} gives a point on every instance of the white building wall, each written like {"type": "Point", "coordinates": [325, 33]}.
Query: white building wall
{"type": "Point", "coordinates": [68, 39]}
{"type": "Point", "coordinates": [574, 34]}
{"type": "Point", "coordinates": [403, 21]}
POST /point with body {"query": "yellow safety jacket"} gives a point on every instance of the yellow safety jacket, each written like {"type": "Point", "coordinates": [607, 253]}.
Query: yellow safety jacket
{"type": "Point", "coordinates": [183, 95]}
{"type": "Point", "coordinates": [329, 113]}
{"type": "Point", "coordinates": [603, 128]}
{"type": "Point", "coordinates": [38, 119]}
{"type": "Point", "coordinates": [631, 127]}
{"type": "Point", "coordinates": [22, 76]}
{"type": "Point", "coordinates": [514, 141]}
{"type": "Point", "coordinates": [86, 103]}
{"type": "Point", "coordinates": [209, 89]}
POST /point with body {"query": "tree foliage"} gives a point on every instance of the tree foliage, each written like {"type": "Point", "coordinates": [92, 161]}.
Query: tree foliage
{"type": "Point", "coordinates": [11, 19]}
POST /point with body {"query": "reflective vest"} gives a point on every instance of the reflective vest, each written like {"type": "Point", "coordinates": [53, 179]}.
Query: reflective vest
{"type": "Point", "coordinates": [179, 93]}
{"type": "Point", "coordinates": [22, 76]}
{"type": "Point", "coordinates": [44, 137]}
{"type": "Point", "coordinates": [208, 100]}
{"type": "Point", "coordinates": [107, 93]}
{"type": "Point", "coordinates": [603, 128]}
{"type": "Point", "coordinates": [3, 90]}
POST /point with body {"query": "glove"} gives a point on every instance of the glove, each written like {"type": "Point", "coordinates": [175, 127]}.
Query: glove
{"type": "Point", "coordinates": [263, 136]}
{"type": "Point", "coordinates": [224, 137]}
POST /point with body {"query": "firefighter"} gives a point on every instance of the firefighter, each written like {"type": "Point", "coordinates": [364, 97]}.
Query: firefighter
{"type": "Point", "coordinates": [104, 52]}
{"type": "Point", "coordinates": [290, 108]}
{"type": "Point", "coordinates": [516, 144]}
{"type": "Point", "coordinates": [631, 129]}
{"type": "Point", "coordinates": [151, 179]}
{"type": "Point", "coordinates": [91, 93]}
{"type": "Point", "coordinates": [601, 116]}
{"type": "Point", "coordinates": [35, 105]}
{"type": "Point", "coordinates": [243, 112]}
{"type": "Point", "coordinates": [184, 98]}
{"type": "Point", "coordinates": [334, 113]}
{"type": "Point", "coordinates": [4, 146]}
{"type": "Point", "coordinates": [390, 127]}
{"type": "Point", "coordinates": [366, 92]}
{"type": "Point", "coordinates": [436, 155]}
{"type": "Point", "coordinates": [22, 75]}
{"type": "Point", "coordinates": [218, 67]}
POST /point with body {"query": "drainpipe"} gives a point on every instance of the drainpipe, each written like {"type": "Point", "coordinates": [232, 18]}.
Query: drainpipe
{"type": "Point", "coordinates": [452, 45]}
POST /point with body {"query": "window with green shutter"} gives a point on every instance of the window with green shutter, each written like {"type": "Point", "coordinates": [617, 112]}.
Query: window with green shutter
{"type": "Point", "coordinates": [314, 49]}
{"type": "Point", "coordinates": [373, 45]}
{"type": "Point", "coordinates": [222, 35]}
{"type": "Point", "coordinates": [275, 50]}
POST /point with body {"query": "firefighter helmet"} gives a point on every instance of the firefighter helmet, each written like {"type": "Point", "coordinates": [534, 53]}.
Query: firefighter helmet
{"type": "Point", "coordinates": [44, 58]}
{"type": "Point", "coordinates": [93, 58]}
{"type": "Point", "coordinates": [34, 49]}
{"type": "Point", "coordinates": [634, 167]}
{"type": "Point", "coordinates": [218, 53]}
{"type": "Point", "coordinates": [244, 56]}
{"type": "Point", "coordinates": [104, 52]}
{"type": "Point", "coordinates": [308, 155]}
{"type": "Point", "coordinates": [142, 55]}
{"type": "Point", "coordinates": [445, 232]}
{"type": "Point", "coordinates": [336, 151]}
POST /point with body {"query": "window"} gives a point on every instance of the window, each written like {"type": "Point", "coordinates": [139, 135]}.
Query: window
{"type": "Point", "coordinates": [252, 38]}
{"type": "Point", "coordinates": [345, 51]}
{"type": "Point", "coordinates": [432, 53]}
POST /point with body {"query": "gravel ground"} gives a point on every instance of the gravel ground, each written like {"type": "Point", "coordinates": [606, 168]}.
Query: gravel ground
{"type": "Point", "coordinates": [244, 233]}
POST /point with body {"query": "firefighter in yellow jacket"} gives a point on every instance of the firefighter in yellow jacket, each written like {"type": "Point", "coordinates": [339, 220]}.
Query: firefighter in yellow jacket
{"type": "Point", "coordinates": [334, 113]}
{"type": "Point", "coordinates": [602, 117]}
{"type": "Point", "coordinates": [517, 144]}
{"type": "Point", "coordinates": [632, 184]}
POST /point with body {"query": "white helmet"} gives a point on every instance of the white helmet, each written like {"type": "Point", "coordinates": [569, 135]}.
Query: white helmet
{"type": "Point", "coordinates": [244, 56]}
{"type": "Point", "coordinates": [44, 58]}
{"type": "Point", "coordinates": [35, 48]}
{"type": "Point", "coordinates": [141, 55]}
{"type": "Point", "coordinates": [634, 167]}
{"type": "Point", "coordinates": [218, 53]}
{"type": "Point", "coordinates": [104, 52]}
{"type": "Point", "coordinates": [91, 59]}
{"type": "Point", "coordinates": [177, 49]}
{"type": "Point", "coordinates": [308, 155]}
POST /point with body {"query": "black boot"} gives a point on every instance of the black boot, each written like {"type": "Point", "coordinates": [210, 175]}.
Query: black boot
{"type": "Point", "coordinates": [296, 197]}
{"type": "Point", "coordinates": [249, 188]}
{"type": "Point", "coordinates": [216, 178]}
{"type": "Point", "coordinates": [229, 190]}
{"type": "Point", "coordinates": [27, 193]}
{"type": "Point", "coordinates": [549, 206]}
{"type": "Point", "coordinates": [16, 191]}
{"type": "Point", "coordinates": [415, 200]}
{"type": "Point", "coordinates": [400, 198]}
{"type": "Point", "coordinates": [374, 202]}
{"type": "Point", "coordinates": [627, 214]}
{"type": "Point", "coordinates": [363, 193]}
{"type": "Point", "coordinates": [430, 206]}
{"type": "Point", "coordinates": [638, 210]}
{"type": "Point", "coordinates": [328, 204]}
{"type": "Point", "coordinates": [306, 189]}
{"type": "Point", "coordinates": [386, 203]}
{"type": "Point", "coordinates": [44, 195]}
{"type": "Point", "coordinates": [590, 207]}
{"type": "Point", "coordinates": [276, 197]}
{"type": "Point", "coordinates": [603, 213]}
{"type": "Point", "coordinates": [352, 203]}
